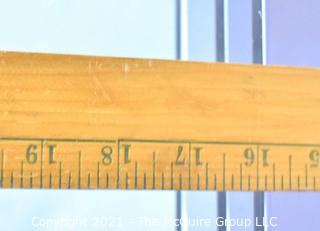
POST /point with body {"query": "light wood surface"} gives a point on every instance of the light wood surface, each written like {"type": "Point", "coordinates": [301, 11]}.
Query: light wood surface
{"type": "Point", "coordinates": [211, 123]}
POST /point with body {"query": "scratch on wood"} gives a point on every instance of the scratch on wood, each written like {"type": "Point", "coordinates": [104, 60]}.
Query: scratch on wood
{"type": "Point", "coordinates": [125, 68]}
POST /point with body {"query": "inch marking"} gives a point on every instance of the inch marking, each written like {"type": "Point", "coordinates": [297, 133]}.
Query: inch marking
{"type": "Point", "coordinates": [162, 180]}
{"type": "Point", "coordinates": [21, 175]}
{"type": "Point", "coordinates": [232, 182]}
{"type": "Point", "coordinates": [265, 182]}
{"type": "Point", "coordinates": [290, 163]}
{"type": "Point", "coordinates": [60, 170]}
{"type": "Point", "coordinates": [118, 164]}
{"type": "Point", "coordinates": [144, 181]}
{"type": "Point", "coordinates": [50, 180]}
{"type": "Point", "coordinates": [215, 181]}
{"type": "Point", "coordinates": [189, 169]}
{"type": "Point", "coordinates": [98, 175]}
{"type": "Point", "coordinates": [88, 181]}
{"type": "Point", "coordinates": [240, 177]}
{"type": "Point", "coordinates": [257, 173]}
{"type": "Point", "coordinates": [306, 176]}
{"type": "Point", "coordinates": [274, 176]}
{"type": "Point", "coordinates": [69, 181]}
{"type": "Point", "coordinates": [1, 169]}
{"type": "Point", "coordinates": [79, 170]}
{"type": "Point", "coordinates": [171, 175]}
{"type": "Point", "coordinates": [153, 170]}
{"type": "Point", "coordinates": [127, 181]}
{"type": "Point", "coordinates": [198, 182]}
{"type": "Point", "coordinates": [11, 180]}
{"type": "Point", "coordinates": [136, 175]}
{"type": "Point", "coordinates": [30, 178]}
{"type": "Point", "coordinates": [207, 176]}
{"type": "Point", "coordinates": [41, 164]}
{"type": "Point", "coordinates": [107, 180]}
{"type": "Point", "coordinates": [224, 172]}
{"type": "Point", "coordinates": [225, 177]}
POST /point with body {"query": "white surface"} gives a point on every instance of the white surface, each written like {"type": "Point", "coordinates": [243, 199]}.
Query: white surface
{"type": "Point", "coordinates": [55, 210]}
{"type": "Point", "coordinates": [136, 28]}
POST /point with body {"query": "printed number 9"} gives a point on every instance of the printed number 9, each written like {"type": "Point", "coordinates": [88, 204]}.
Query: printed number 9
{"type": "Point", "coordinates": [314, 157]}
{"type": "Point", "coordinates": [249, 155]}
{"type": "Point", "coordinates": [31, 154]}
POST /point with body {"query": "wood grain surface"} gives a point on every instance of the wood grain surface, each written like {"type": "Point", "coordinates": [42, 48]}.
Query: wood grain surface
{"type": "Point", "coordinates": [240, 110]}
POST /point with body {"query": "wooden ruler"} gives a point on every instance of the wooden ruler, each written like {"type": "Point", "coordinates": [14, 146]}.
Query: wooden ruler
{"type": "Point", "coordinates": [115, 123]}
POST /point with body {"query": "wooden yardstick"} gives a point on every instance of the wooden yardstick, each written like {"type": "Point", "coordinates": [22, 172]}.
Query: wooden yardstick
{"type": "Point", "coordinates": [117, 123]}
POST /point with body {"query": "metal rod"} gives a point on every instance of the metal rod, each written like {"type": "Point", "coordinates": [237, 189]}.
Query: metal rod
{"type": "Point", "coordinates": [257, 57]}
{"type": "Point", "coordinates": [178, 57]}
{"type": "Point", "coordinates": [257, 32]}
{"type": "Point", "coordinates": [220, 32]}
{"type": "Point", "coordinates": [220, 57]}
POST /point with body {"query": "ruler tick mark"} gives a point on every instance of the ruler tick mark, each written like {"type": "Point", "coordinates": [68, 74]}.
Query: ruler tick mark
{"type": "Point", "coordinates": [11, 180]}
{"type": "Point", "coordinates": [162, 180]}
{"type": "Point", "coordinates": [60, 171]}
{"type": "Point", "coordinates": [21, 175]}
{"type": "Point", "coordinates": [30, 177]}
{"type": "Point", "coordinates": [144, 181]}
{"type": "Point", "coordinates": [118, 164]}
{"type": "Point", "coordinates": [189, 167]}
{"type": "Point", "coordinates": [171, 175]}
{"type": "Point", "coordinates": [1, 170]}
{"type": "Point", "coordinates": [306, 177]}
{"type": "Point", "coordinates": [79, 170]}
{"type": "Point", "coordinates": [207, 176]}
{"type": "Point", "coordinates": [154, 171]}
{"type": "Point", "coordinates": [198, 182]}
{"type": "Point", "coordinates": [88, 181]}
{"type": "Point", "coordinates": [240, 178]}
{"type": "Point", "coordinates": [127, 181]}
{"type": "Point", "coordinates": [136, 175]}
{"type": "Point", "coordinates": [107, 180]}
{"type": "Point", "coordinates": [98, 175]}
{"type": "Point", "coordinates": [257, 173]}
{"type": "Point", "coordinates": [232, 182]}
{"type": "Point", "coordinates": [69, 181]}
{"type": "Point", "coordinates": [224, 172]}
{"type": "Point", "coordinates": [265, 182]}
{"type": "Point", "coordinates": [274, 176]}
{"type": "Point", "coordinates": [290, 166]}
{"type": "Point", "coordinates": [50, 180]}
{"type": "Point", "coordinates": [41, 164]}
